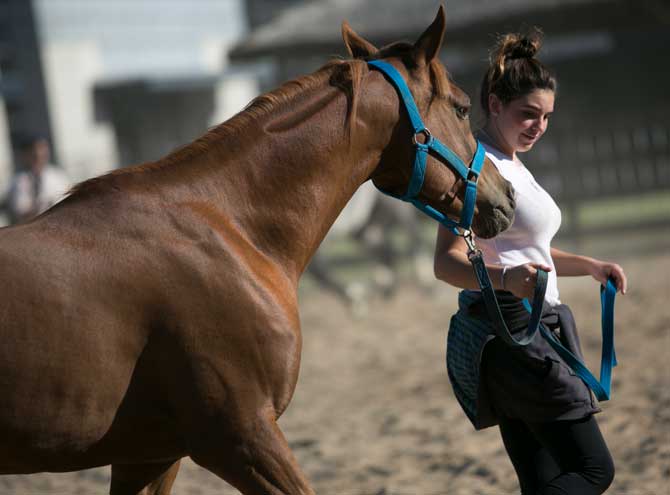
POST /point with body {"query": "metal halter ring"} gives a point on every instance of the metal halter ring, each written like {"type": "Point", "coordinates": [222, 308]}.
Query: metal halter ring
{"type": "Point", "coordinates": [427, 135]}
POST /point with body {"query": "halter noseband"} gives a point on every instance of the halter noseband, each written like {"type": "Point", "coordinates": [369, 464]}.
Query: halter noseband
{"type": "Point", "coordinates": [444, 153]}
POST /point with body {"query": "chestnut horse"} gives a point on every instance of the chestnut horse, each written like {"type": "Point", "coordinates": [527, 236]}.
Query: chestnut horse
{"type": "Point", "coordinates": [152, 314]}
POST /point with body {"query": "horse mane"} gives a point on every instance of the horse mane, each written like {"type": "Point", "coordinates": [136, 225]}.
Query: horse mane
{"type": "Point", "coordinates": [345, 74]}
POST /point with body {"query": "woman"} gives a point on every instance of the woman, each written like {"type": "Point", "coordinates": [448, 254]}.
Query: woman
{"type": "Point", "coordinates": [544, 411]}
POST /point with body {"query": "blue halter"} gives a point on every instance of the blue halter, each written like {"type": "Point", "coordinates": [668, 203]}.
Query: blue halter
{"type": "Point", "coordinates": [468, 174]}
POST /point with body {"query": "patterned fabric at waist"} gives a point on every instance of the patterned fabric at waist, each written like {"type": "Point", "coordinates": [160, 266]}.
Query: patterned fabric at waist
{"type": "Point", "coordinates": [469, 331]}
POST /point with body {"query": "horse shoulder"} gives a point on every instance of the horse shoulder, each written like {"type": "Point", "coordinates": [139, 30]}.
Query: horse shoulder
{"type": "Point", "coordinates": [235, 316]}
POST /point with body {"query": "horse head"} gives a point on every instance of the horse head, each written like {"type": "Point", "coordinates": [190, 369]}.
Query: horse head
{"type": "Point", "coordinates": [444, 108]}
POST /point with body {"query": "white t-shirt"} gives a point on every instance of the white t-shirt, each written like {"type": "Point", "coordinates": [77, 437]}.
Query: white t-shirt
{"type": "Point", "coordinates": [537, 218]}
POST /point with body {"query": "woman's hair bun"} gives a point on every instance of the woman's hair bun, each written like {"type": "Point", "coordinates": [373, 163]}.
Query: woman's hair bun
{"type": "Point", "coordinates": [515, 45]}
{"type": "Point", "coordinates": [524, 48]}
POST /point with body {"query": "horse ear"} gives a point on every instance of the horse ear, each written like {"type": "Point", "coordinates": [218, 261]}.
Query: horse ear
{"type": "Point", "coordinates": [356, 46]}
{"type": "Point", "coordinates": [429, 43]}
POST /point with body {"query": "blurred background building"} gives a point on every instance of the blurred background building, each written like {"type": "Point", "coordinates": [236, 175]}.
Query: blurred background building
{"type": "Point", "coordinates": [114, 83]}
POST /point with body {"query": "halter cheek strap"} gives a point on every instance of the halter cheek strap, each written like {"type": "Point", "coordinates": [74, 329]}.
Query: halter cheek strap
{"type": "Point", "coordinates": [433, 146]}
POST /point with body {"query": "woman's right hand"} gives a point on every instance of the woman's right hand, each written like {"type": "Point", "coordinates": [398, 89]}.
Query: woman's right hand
{"type": "Point", "coordinates": [520, 280]}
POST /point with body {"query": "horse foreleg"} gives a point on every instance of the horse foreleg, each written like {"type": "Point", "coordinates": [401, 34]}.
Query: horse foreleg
{"type": "Point", "coordinates": [143, 479]}
{"type": "Point", "coordinates": [257, 462]}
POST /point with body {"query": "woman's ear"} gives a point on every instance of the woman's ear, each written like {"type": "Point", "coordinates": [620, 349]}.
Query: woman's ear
{"type": "Point", "coordinates": [495, 105]}
{"type": "Point", "coordinates": [357, 46]}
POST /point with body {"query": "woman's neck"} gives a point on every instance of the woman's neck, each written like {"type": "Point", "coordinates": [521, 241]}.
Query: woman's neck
{"type": "Point", "coordinates": [495, 138]}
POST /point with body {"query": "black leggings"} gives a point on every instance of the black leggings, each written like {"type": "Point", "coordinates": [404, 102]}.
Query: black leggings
{"type": "Point", "coordinates": [558, 457]}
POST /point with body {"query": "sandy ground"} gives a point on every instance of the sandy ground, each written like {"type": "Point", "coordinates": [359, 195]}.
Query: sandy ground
{"type": "Point", "coordinates": [374, 414]}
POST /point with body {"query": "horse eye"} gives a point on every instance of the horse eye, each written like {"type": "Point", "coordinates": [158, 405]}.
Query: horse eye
{"type": "Point", "coordinates": [462, 112]}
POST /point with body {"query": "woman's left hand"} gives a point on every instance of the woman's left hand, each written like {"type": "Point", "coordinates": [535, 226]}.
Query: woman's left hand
{"type": "Point", "coordinates": [603, 270]}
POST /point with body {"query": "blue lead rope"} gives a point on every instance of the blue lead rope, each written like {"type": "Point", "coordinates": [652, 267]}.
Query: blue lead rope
{"type": "Point", "coordinates": [601, 388]}
{"type": "Point", "coordinates": [493, 309]}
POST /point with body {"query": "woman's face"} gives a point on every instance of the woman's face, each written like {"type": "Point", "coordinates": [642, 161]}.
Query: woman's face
{"type": "Point", "coordinates": [522, 121]}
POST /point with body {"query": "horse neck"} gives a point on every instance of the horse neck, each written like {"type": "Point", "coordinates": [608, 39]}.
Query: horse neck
{"type": "Point", "coordinates": [286, 175]}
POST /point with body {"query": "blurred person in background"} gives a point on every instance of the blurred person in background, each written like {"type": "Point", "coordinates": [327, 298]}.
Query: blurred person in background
{"type": "Point", "coordinates": [544, 411]}
{"type": "Point", "coordinates": [37, 184]}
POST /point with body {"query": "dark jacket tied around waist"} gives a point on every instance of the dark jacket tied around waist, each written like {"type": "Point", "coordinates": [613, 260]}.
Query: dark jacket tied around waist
{"type": "Point", "coordinates": [531, 383]}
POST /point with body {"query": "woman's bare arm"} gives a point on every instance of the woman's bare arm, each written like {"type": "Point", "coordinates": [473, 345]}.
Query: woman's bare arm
{"type": "Point", "coordinates": [574, 265]}
{"type": "Point", "coordinates": [453, 267]}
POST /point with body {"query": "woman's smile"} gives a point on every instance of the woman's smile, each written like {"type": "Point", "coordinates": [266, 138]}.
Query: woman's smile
{"type": "Point", "coordinates": [530, 137]}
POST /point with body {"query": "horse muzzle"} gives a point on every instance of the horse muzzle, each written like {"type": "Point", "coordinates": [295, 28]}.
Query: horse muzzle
{"type": "Point", "coordinates": [492, 219]}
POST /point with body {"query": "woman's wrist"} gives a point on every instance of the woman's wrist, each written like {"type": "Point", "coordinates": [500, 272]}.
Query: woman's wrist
{"type": "Point", "coordinates": [592, 266]}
